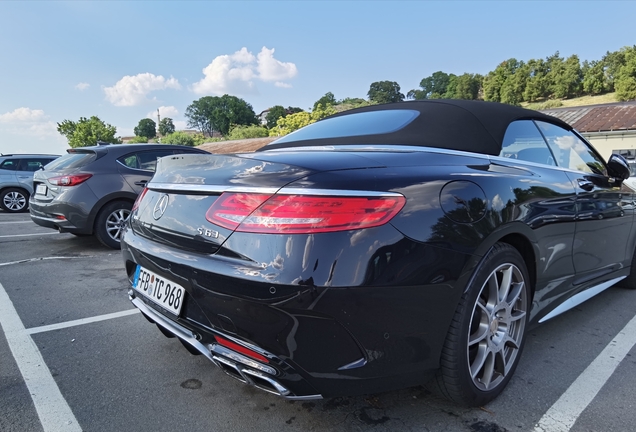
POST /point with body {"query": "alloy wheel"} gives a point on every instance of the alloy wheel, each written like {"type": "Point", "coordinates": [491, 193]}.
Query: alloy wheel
{"type": "Point", "coordinates": [497, 327]}
{"type": "Point", "coordinates": [14, 201]}
{"type": "Point", "coordinates": [115, 223]}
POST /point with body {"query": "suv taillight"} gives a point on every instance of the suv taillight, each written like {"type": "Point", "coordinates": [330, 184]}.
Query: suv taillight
{"type": "Point", "coordinates": [301, 214]}
{"type": "Point", "coordinates": [69, 180]}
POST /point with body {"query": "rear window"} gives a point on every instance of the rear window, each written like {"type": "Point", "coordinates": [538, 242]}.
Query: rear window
{"type": "Point", "coordinates": [365, 123]}
{"type": "Point", "coordinates": [71, 160]}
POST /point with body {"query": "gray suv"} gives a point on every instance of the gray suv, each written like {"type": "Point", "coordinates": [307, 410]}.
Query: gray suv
{"type": "Point", "coordinates": [91, 190]}
{"type": "Point", "coordinates": [16, 179]}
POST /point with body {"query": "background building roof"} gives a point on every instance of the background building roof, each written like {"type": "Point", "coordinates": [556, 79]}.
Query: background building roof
{"type": "Point", "coordinates": [598, 118]}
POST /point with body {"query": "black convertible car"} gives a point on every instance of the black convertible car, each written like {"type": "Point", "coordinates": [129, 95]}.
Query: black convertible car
{"type": "Point", "coordinates": [381, 247]}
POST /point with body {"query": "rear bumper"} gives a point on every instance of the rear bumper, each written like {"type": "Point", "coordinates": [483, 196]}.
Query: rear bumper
{"type": "Point", "coordinates": [60, 216]}
{"type": "Point", "coordinates": [234, 364]}
{"type": "Point", "coordinates": [322, 341]}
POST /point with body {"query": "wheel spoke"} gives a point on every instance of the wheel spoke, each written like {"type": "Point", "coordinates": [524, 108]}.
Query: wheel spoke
{"type": "Point", "coordinates": [482, 355]}
{"type": "Point", "coordinates": [488, 370]}
{"type": "Point", "coordinates": [504, 287]}
{"type": "Point", "coordinates": [515, 292]}
{"type": "Point", "coordinates": [517, 315]}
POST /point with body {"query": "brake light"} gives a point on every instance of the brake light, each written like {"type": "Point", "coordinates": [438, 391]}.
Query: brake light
{"type": "Point", "coordinates": [139, 198]}
{"type": "Point", "coordinates": [241, 349]}
{"type": "Point", "coordinates": [70, 180]}
{"type": "Point", "coordinates": [301, 214]}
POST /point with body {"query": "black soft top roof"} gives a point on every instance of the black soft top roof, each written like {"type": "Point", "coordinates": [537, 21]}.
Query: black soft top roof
{"type": "Point", "coordinates": [473, 126]}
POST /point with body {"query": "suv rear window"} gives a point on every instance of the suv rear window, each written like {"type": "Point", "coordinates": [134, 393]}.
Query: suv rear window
{"type": "Point", "coordinates": [72, 160]}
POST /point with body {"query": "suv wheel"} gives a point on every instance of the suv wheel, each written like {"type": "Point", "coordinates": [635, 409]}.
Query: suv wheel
{"type": "Point", "coordinates": [14, 200]}
{"type": "Point", "coordinates": [111, 221]}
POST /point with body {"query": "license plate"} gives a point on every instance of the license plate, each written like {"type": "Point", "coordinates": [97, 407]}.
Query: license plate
{"type": "Point", "coordinates": [40, 189]}
{"type": "Point", "coordinates": [163, 292]}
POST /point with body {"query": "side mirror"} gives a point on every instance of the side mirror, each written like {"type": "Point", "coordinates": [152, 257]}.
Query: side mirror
{"type": "Point", "coordinates": [618, 167]}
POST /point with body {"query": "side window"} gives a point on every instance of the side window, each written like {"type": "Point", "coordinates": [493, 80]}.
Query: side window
{"type": "Point", "coordinates": [148, 159]}
{"type": "Point", "coordinates": [523, 141]}
{"type": "Point", "coordinates": [131, 161]}
{"type": "Point", "coordinates": [10, 165]}
{"type": "Point", "coordinates": [570, 151]}
{"type": "Point", "coordinates": [31, 165]}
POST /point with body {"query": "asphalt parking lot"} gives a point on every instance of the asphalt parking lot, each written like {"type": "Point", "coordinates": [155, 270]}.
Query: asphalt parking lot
{"type": "Point", "coordinates": [75, 355]}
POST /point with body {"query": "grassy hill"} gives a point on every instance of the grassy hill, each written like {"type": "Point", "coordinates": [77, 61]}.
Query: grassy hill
{"type": "Point", "coordinates": [580, 101]}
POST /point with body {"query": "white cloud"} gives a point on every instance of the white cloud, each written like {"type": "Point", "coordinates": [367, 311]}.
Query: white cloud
{"type": "Point", "coordinates": [180, 125]}
{"type": "Point", "coordinates": [164, 111]}
{"type": "Point", "coordinates": [132, 90]}
{"type": "Point", "coordinates": [28, 122]}
{"type": "Point", "coordinates": [270, 69]}
{"type": "Point", "coordinates": [82, 86]}
{"type": "Point", "coordinates": [23, 115]}
{"type": "Point", "coordinates": [236, 73]}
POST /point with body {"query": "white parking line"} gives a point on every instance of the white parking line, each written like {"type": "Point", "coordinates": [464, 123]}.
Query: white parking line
{"type": "Point", "coordinates": [566, 410]}
{"type": "Point", "coordinates": [53, 410]}
{"type": "Point", "coordinates": [42, 329]}
{"type": "Point", "coordinates": [29, 235]}
{"type": "Point", "coordinates": [14, 222]}
{"type": "Point", "coordinates": [42, 259]}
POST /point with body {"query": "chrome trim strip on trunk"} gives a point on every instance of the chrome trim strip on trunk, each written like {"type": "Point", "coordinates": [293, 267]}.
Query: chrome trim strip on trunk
{"type": "Point", "coordinates": [579, 298]}
{"type": "Point", "coordinates": [199, 188]}
{"type": "Point", "coordinates": [196, 188]}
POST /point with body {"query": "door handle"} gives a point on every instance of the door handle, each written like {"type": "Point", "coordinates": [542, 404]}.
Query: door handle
{"type": "Point", "coordinates": [586, 185]}
{"type": "Point", "coordinates": [141, 182]}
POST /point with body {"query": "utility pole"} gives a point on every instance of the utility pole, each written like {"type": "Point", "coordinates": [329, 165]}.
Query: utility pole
{"type": "Point", "coordinates": [158, 121]}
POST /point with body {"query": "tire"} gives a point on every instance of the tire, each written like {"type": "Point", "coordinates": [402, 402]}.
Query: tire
{"type": "Point", "coordinates": [487, 334]}
{"type": "Point", "coordinates": [110, 222]}
{"type": "Point", "coordinates": [630, 281]}
{"type": "Point", "coordinates": [14, 200]}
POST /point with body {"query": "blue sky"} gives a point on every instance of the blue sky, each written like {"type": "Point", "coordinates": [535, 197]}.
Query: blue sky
{"type": "Point", "coordinates": [122, 60]}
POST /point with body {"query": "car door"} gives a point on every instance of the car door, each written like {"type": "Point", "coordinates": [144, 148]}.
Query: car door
{"type": "Point", "coordinates": [546, 202]}
{"type": "Point", "coordinates": [604, 213]}
{"type": "Point", "coordinates": [8, 169]}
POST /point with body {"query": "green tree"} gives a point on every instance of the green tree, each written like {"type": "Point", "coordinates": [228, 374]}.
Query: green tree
{"type": "Point", "coordinates": [183, 138]}
{"type": "Point", "coordinates": [612, 63]}
{"type": "Point", "coordinates": [536, 84]}
{"type": "Point", "coordinates": [327, 100]}
{"type": "Point", "coordinates": [494, 82]}
{"type": "Point", "coordinates": [514, 86]}
{"type": "Point", "coordinates": [86, 132]}
{"type": "Point", "coordinates": [245, 132]}
{"type": "Point", "coordinates": [292, 122]}
{"type": "Point", "coordinates": [467, 87]}
{"type": "Point", "coordinates": [594, 80]}
{"type": "Point", "coordinates": [566, 77]}
{"type": "Point", "coordinates": [625, 81]}
{"type": "Point", "coordinates": [214, 113]}
{"type": "Point", "coordinates": [432, 87]}
{"type": "Point", "coordinates": [385, 92]}
{"type": "Point", "coordinates": [166, 126]}
{"type": "Point", "coordinates": [275, 112]}
{"type": "Point", "coordinates": [146, 128]}
{"type": "Point", "coordinates": [138, 140]}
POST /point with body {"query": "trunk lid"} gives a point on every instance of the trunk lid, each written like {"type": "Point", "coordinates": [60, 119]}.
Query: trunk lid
{"type": "Point", "coordinates": [173, 209]}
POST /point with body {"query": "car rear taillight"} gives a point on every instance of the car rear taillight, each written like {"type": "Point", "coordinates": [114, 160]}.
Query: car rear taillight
{"type": "Point", "coordinates": [301, 214]}
{"type": "Point", "coordinates": [139, 198]}
{"type": "Point", "coordinates": [70, 180]}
